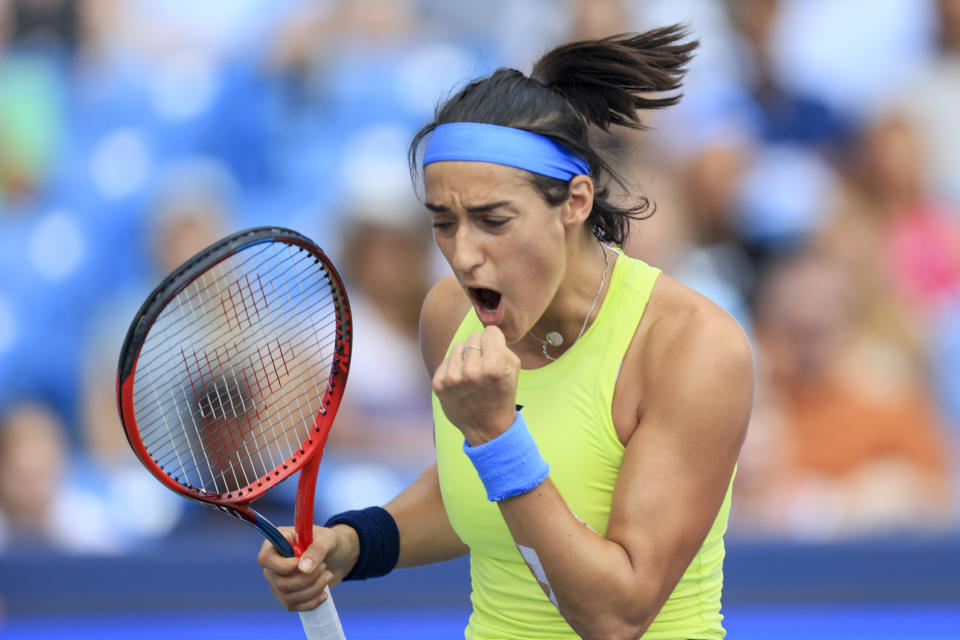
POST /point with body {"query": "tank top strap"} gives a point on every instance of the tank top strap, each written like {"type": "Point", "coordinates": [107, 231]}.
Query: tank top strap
{"type": "Point", "coordinates": [628, 295]}
{"type": "Point", "coordinates": [630, 288]}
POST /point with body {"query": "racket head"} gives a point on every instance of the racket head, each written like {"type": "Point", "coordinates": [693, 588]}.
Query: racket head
{"type": "Point", "coordinates": [234, 367]}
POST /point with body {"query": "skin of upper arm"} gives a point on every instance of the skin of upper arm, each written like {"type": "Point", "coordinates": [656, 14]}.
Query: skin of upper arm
{"type": "Point", "coordinates": [444, 308]}
{"type": "Point", "coordinates": [426, 535]}
{"type": "Point", "coordinates": [697, 376]}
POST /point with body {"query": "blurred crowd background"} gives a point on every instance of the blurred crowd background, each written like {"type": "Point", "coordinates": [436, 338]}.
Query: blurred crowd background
{"type": "Point", "coordinates": [809, 182]}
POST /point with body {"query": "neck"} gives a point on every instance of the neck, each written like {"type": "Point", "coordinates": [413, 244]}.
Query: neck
{"type": "Point", "coordinates": [570, 310]}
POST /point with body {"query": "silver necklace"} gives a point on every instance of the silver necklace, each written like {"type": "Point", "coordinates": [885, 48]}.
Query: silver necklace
{"type": "Point", "coordinates": [553, 338]}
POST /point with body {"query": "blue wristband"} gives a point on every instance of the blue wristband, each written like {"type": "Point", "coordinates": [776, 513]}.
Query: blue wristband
{"type": "Point", "coordinates": [379, 541]}
{"type": "Point", "coordinates": [510, 464]}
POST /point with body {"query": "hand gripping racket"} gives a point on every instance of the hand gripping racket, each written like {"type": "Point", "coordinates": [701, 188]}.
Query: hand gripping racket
{"type": "Point", "coordinates": [231, 374]}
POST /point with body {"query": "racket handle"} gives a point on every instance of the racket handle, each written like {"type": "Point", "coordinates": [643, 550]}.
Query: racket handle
{"type": "Point", "coordinates": [323, 623]}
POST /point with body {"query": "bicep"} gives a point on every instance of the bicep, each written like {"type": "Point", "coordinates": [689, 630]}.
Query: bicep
{"type": "Point", "coordinates": [426, 535]}
{"type": "Point", "coordinates": [679, 461]}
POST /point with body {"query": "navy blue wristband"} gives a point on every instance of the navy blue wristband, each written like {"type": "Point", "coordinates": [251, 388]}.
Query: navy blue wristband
{"type": "Point", "coordinates": [379, 541]}
{"type": "Point", "coordinates": [510, 464]}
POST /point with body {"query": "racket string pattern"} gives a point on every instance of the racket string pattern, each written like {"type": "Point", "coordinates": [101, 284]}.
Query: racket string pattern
{"type": "Point", "coordinates": [235, 369]}
{"type": "Point", "coordinates": [230, 377]}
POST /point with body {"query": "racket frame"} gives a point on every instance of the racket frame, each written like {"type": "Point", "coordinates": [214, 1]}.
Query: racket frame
{"type": "Point", "coordinates": [307, 458]}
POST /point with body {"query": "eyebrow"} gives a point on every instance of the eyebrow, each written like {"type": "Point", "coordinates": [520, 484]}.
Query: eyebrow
{"type": "Point", "coordinates": [480, 208]}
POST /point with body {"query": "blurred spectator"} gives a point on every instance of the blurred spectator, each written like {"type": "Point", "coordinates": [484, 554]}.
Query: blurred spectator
{"type": "Point", "coordinates": [931, 98]}
{"type": "Point", "coordinates": [782, 142]}
{"type": "Point", "coordinates": [663, 238]}
{"type": "Point", "coordinates": [718, 264]}
{"type": "Point", "coordinates": [32, 113]}
{"type": "Point", "coordinates": [786, 178]}
{"type": "Point", "coordinates": [383, 436]}
{"type": "Point", "coordinates": [192, 208]}
{"type": "Point", "coordinates": [43, 25]}
{"type": "Point", "coordinates": [782, 114]}
{"type": "Point", "coordinates": [139, 509]}
{"type": "Point", "coordinates": [890, 228]}
{"type": "Point", "coordinates": [844, 439]}
{"type": "Point", "coordinates": [851, 54]}
{"type": "Point", "coordinates": [901, 242]}
{"type": "Point", "coordinates": [190, 211]}
{"type": "Point", "coordinates": [594, 19]}
{"type": "Point", "coordinates": [39, 507]}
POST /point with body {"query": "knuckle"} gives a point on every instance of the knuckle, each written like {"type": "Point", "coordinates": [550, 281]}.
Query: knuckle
{"type": "Point", "coordinates": [287, 585]}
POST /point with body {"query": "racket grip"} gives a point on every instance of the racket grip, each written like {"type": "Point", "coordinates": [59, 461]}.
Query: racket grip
{"type": "Point", "coordinates": [323, 623]}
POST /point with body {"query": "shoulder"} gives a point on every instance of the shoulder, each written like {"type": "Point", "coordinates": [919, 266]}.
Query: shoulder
{"type": "Point", "coordinates": [444, 308]}
{"type": "Point", "coordinates": [681, 321]}
{"type": "Point", "coordinates": [694, 358]}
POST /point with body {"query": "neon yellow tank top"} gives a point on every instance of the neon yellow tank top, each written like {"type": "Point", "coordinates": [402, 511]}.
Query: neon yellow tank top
{"type": "Point", "coordinates": [567, 407]}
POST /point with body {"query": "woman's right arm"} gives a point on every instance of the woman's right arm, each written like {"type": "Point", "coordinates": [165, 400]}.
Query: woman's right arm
{"type": "Point", "coordinates": [426, 535]}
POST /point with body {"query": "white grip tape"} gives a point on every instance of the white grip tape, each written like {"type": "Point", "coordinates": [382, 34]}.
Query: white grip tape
{"type": "Point", "coordinates": [322, 623]}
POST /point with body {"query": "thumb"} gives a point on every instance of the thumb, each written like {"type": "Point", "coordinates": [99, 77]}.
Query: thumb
{"type": "Point", "coordinates": [316, 553]}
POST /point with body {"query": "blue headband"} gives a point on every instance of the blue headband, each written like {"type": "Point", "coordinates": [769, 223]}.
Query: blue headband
{"type": "Point", "coordinates": [478, 142]}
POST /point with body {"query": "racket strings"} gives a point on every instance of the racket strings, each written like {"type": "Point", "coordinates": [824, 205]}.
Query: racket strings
{"type": "Point", "coordinates": [213, 406]}
{"type": "Point", "coordinates": [212, 409]}
{"type": "Point", "coordinates": [245, 460]}
{"type": "Point", "coordinates": [194, 296]}
{"type": "Point", "coordinates": [250, 359]}
{"type": "Point", "coordinates": [240, 361]}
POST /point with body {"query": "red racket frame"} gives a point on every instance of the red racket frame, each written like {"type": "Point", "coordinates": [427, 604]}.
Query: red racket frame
{"type": "Point", "coordinates": [310, 452]}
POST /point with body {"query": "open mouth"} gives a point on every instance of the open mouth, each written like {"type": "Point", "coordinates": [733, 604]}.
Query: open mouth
{"type": "Point", "coordinates": [486, 300]}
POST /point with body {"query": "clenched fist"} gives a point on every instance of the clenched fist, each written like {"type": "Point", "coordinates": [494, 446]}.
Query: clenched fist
{"type": "Point", "coordinates": [477, 385]}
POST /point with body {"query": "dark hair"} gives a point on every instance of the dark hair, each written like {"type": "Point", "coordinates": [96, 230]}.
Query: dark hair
{"type": "Point", "coordinates": [592, 82]}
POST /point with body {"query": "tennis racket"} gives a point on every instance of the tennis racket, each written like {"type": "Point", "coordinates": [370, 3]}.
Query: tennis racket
{"type": "Point", "coordinates": [231, 374]}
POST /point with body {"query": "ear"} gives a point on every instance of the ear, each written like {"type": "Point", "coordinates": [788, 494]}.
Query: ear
{"type": "Point", "coordinates": [579, 204]}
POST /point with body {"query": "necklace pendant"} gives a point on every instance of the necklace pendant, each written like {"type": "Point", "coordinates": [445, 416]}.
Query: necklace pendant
{"type": "Point", "coordinates": [554, 339]}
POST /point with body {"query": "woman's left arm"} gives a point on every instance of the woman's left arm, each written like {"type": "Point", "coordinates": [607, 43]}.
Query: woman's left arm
{"type": "Point", "coordinates": [697, 380]}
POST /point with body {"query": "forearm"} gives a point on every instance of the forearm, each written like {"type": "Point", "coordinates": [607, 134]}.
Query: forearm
{"type": "Point", "coordinates": [593, 580]}
{"type": "Point", "coordinates": [426, 536]}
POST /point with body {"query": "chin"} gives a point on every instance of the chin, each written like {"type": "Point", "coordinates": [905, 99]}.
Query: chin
{"type": "Point", "coordinates": [511, 334]}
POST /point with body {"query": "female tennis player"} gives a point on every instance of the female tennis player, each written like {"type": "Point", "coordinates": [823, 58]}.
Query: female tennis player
{"type": "Point", "coordinates": [588, 410]}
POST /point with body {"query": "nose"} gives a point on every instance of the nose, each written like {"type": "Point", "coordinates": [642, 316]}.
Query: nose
{"type": "Point", "coordinates": [467, 253]}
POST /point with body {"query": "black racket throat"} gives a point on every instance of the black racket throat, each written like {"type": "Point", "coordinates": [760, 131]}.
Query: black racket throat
{"type": "Point", "coordinates": [251, 517]}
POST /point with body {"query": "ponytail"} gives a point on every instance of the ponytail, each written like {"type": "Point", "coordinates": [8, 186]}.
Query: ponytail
{"type": "Point", "coordinates": [609, 80]}
{"type": "Point", "coordinates": [589, 83]}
